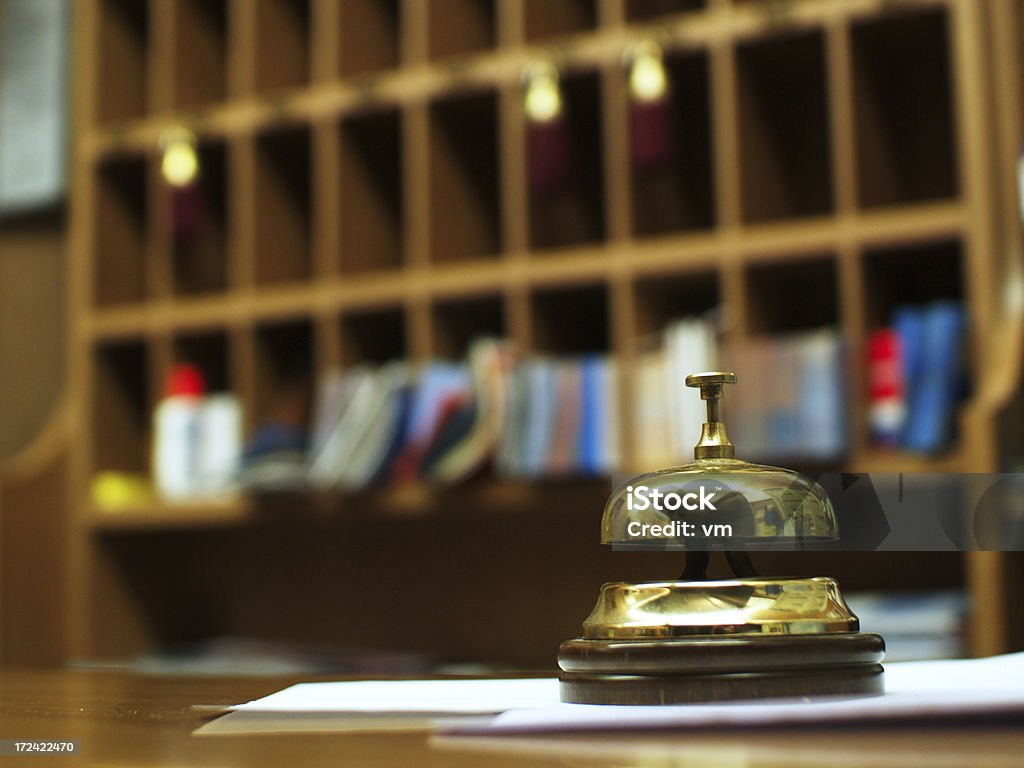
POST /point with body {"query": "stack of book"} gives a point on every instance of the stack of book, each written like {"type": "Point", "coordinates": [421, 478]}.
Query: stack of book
{"type": "Point", "coordinates": [445, 420]}
{"type": "Point", "coordinates": [667, 416]}
{"type": "Point", "coordinates": [792, 404]}
{"type": "Point", "coordinates": [547, 416]}
{"type": "Point", "coordinates": [392, 424]}
{"type": "Point", "coordinates": [915, 377]}
{"type": "Point", "coordinates": [562, 418]}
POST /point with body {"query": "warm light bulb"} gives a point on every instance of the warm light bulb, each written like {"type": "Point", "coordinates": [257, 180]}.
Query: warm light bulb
{"type": "Point", "coordinates": [647, 79]}
{"type": "Point", "coordinates": [180, 162]}
{"type": "Point", "coordinates": [543, 94]}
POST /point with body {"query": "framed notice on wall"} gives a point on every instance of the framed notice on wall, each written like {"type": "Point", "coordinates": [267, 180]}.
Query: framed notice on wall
{"type": "Point", "coordinates": [34, 43]}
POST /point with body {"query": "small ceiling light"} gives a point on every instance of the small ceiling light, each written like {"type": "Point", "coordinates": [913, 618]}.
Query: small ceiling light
{"type": "Point", "coordinates": [180, 161]}
{"type": "Point", "coordinates": [647, 79]}
{"type": "Point", "coordinates": [543, 102]}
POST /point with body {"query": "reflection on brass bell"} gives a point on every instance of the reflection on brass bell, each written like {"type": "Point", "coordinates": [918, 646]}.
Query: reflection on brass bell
{"type": "Point", "coordinates": [693, 640]}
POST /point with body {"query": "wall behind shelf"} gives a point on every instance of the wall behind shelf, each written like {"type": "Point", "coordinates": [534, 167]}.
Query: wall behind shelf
{"type": "Point", "coordinates": [33, 264]}
{"type": "Point", "coordinates": [33, 267]}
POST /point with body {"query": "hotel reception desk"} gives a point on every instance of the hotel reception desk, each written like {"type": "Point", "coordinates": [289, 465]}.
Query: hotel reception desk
{"type": "Point", "coordinates": [125, 720]}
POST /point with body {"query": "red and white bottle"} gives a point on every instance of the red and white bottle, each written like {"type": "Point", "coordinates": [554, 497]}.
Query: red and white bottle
{"type": "Point", "coordinates": [887, 408]}
{"type": "Point", "coordinates": [177, 434]}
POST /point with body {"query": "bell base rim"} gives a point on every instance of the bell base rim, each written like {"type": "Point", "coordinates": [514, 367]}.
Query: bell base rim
{"type": "Point", "coordinates": [694, 670]}
{"type": "Point", "coordinates": [720, 654]}
{"type": "Point", "coordinates": [656, 690]}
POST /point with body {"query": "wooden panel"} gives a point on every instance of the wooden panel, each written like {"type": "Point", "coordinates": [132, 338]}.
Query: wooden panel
{"type": "Point", "coordinates": [33, 338]}
{"type": "Point", "coordinates": [121, 190]}
{"type": "Point", "coordinates": [545, 19]}
{"type": "Point", "coordinates": [283, 205]}
{"type": "Point", "coordinates": [283, 44]}
{"type": "Point", "coordinates": [372, 198]}
{"type": "Point", "coordinates": [200, 52]}
{"type": "Point", "coordinates": [783, 125]}
{"type": "Point", "coordinates": [461, 26]}
{"type": "Point", "coordinates": [465, 189]}
{"type": "Point", "coordinates": [34, 566]}
{"type": "Point", "coordinates": [369, 36]}
{"type": "Point", "coordinates": [121, 47]}
{"type": "Point", "coordinates": [904, 120]}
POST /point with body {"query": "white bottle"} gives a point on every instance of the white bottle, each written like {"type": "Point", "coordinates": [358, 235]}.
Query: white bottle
{"type": "Point", "coordinates": [176, 435]}
{"type": "Point", "coordinates": [220, 444]}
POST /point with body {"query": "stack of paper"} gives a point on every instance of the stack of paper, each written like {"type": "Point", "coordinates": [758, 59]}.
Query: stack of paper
{"type": "Point", "coordinates": [931, 690]}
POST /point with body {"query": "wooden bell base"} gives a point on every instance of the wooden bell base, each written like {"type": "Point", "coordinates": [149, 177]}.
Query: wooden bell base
{"type": "Point", "coordinates": [690, 670]}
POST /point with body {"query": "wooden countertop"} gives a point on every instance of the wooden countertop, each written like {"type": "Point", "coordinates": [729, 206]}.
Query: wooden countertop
{"type": "Point", "coordinates": [127, 720]}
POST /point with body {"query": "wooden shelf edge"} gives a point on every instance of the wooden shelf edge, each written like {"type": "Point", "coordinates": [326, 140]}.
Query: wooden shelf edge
{"type": "Point", "coordinates": [493, 497]}
{"type": "Point", "coordinates": [162, 515]}
{"type": "Point", "coordinates": [497, 498]}
{"type": "Point", "coordinates": [900, 462]}
{"type": "Point", "coordinates": [678, 254]}
{"type": "Point", "coordinates": [870, 462]}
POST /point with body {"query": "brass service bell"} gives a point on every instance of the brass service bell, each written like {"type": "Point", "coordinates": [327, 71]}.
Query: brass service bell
{"type": "Point", "coordinates": [694, 639]}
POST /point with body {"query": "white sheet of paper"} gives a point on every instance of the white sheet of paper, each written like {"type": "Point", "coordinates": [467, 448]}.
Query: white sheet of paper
{"type": "Point", "coordinates": [914, 690]}
{"type": "Point", "coordinates": [409, 697]}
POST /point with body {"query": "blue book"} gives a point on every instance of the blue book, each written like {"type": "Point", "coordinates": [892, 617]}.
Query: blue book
{"type": "Point", "coordinates": [908, 322]}
{"type": "Point", "coordinates": [588, 439]}
{"type": "Point", "coordinates": [930, 420]}
{"type": "Point", "coordinates": [403, 405]}
{"type": "Point", "coordinates": [822, 400]}
{"type": "Point", "coordinates": [541, 388]}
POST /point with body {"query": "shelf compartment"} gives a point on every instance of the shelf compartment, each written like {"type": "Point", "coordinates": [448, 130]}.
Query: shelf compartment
{"type": "Point", "coordinates": [661, 298]}
{"type": "Point", "coordinates": [792, 296]}
{"type": "Point", "coordinates": [792, 348]}
{"type": "Point", "coordinates": [544, 19]}
{"type": "Point", "coordinates": [200, 52]}
{"type": "Point", "coordinates": [283, 43]}
{"type": "Point", "coordinates": [121, 407]}
{"type": "Point", "coordinates": [122, 51]}
{"type": "Point", "coordinates": [208, 351]}
{"type": "Point", "coordinates": [457, 323]}
{"type": "Point", "coordinates": [199, 219]}
{"type": "Point", "coordinates": [785, 147]}
{"type": "Point", "coordinates": [283, 205]}
{"type": "Point", "coordinates": [283, 373]}
{"type": "Point", "coordinates": [369, 36]}
{"type": "Point", "coordinates": [122, 224]}
{"type": "Point", "coordinates": [903, 98]}
{"type": "Point", "coordinates": [640, 10]}
{"type": "Point", "coordinates": [572, 211]}
{"type": "Point", "coordinates": [678, 193]}
{"type": "Point", "coordinates": [910, 274]}
{"type": "Point", "coordinates": [570, 319]}
{"type": "Point", "coordinates": [465, 193]}
{"type": "Point", "coordinates": [372, 191]}
{"type": "Point", "coordinates": [374, 336]}
{"type": "Point", "coordinates": [461, 26]}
